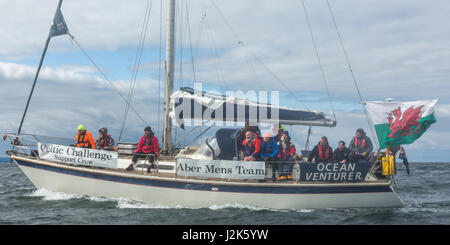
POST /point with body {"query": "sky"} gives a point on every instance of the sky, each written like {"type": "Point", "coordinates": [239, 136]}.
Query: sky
{"type": "Point", "coordinates": [397, 49]}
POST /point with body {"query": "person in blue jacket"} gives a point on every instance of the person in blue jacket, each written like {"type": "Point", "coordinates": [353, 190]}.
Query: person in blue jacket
{"type": "Point", "coordinates": [269, 152]}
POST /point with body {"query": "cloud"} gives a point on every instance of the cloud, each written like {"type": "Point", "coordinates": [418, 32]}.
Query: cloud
{"type": "Point", "coordinates": [65, 97]}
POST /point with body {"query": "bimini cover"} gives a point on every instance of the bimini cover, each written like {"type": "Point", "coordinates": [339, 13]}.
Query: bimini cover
{"type": "Point", "coordinates": [188, 106]}
{"type": "Point", "coordinates": [222, 146]}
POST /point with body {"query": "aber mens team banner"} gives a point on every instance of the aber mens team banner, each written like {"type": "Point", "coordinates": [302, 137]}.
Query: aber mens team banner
{"type": "Point", "coordinates": [78, 156]}
{"type": "Point", "coordinates": [401, 123]}
{"type": "Point", "coordinates": [224, 169]}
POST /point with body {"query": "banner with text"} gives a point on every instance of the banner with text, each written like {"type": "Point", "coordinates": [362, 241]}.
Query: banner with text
{"type": "Point", "coordinates": [78, 156]}
{"type": "Point", "coordinates": [334, 172]}
{"type": "Point", "coordinates": [224, 169]}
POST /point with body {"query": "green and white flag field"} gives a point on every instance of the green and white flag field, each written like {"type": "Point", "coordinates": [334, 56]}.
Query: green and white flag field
{"type": "Point", "coordinates": [401, 123]}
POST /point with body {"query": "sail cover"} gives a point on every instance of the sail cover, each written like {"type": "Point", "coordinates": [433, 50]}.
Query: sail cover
{"type": "Point", "coordinates": [399, 123]}
{"type": "Point", "coordinates": [189, 105]}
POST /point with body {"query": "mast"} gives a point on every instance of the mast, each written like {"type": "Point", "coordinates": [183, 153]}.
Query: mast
{"type": "Point", "coordinates": [169, 65]}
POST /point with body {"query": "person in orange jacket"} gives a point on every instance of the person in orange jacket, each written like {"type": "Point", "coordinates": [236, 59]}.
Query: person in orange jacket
{"type": "Point", "coordinates": [84, 138]}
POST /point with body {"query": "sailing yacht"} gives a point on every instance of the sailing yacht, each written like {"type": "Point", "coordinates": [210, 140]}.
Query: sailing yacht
{"type": "Point", "coordinates": [208, 174]}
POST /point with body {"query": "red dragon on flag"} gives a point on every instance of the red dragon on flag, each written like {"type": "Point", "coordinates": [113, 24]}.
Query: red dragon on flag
{"type": "Point", "coordinates": [401, 124]}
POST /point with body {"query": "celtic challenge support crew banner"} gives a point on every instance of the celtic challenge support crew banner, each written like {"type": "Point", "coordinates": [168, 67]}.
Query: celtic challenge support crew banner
{"type": "Point", "coordinates": [78, 156]}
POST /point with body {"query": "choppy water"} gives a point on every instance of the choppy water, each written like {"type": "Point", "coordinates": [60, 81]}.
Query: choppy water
{"type": "Point", "coordinates": [426, 194]}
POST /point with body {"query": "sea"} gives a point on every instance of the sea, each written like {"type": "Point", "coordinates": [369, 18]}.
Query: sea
{"type": "Point", "coordinates": [425, 192]}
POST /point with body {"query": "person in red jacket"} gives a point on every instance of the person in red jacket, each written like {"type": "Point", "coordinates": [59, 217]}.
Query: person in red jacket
{"type": "Point", "coordinates": [286, 153]}
{"type": "Point", "coordinates": [251, 147]}
{"type": "Point", "coordinates": [147, 145]}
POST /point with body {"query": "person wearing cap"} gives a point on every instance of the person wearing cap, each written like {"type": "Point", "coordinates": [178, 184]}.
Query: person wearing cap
{"type": "Point", "coordinates": [322, 152]}
{"type": "Point", "coordinates": [251, 147]}
{"type": "Point", "coordinates": [342, 153]}
{"type": "Point", "coordinates": [104, 140]}
{"type": "Point", "coordinates": [286, 153]}
{"type": "Point", "coordinates": [280, 131]}
{"type": "Point", "coordinates": [361, 147]}
{"type": "Point", "coordinates": [147, 145]}
{"type": "Point", "coordinates": [84, 138]}
{"type": "Point", "coordinates": [269, 152]}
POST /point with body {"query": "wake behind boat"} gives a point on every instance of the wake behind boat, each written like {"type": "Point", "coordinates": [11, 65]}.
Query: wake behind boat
{"type": "Point", "coordinates": [214, 172]}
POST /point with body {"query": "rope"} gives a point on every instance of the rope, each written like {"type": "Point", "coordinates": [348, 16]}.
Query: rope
{"type": "Point", "coordinates": [137, 63]}
{"type": "Point", "coordinates": [190, 41]}
{"type": "Point", "coordinates": [181, 41]}
{"type": "Point", "coordinates": [318, 58]}
{"type": "Point", "coordinates": [256, 58]}
{"type": "Point", "coordinates": [106, 77]}
{"type": "Point", "coordinates": [250, 68]}
{"type": "Point", "coordinates": [344, 50]}
{"type": "Point", "coordinates": [219, 69]}
{"type": "Point", "coordinates": [159, 68]}
{"type": "Point", "coordinates": [351, 71]}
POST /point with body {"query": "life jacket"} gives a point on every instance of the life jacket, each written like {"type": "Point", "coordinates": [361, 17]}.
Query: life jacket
{"type": "Point", "coordinates": [249, 147]}
{"type": "Point", "coordinates": [267, 150]}
{"type": "Point", "coordinates": [147, 143]}
{"type": "Point", "coordinates": [327, 152]}
{"type": "Point", "coordinates": [83, 141]}
{"type": "Point", "coordinates": [363, 144]}
{"type": "Point", "coordinates": [105, 142]}
{"type": "Point", "coordinates": [289, 149]}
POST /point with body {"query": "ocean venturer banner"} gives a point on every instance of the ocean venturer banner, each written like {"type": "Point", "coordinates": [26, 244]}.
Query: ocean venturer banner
{"type": "Point", "coordinates": [400, 123]}
{"type": "Point", "coordinates": [78, 156]}
{"type": "Point", "coordinates": [334, 172]}
{"type": "Point", "coordinates": [223, 169]}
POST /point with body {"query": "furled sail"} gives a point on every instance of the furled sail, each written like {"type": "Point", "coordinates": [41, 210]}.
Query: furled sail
{"type": "Point", "coordinates": [189, 105]}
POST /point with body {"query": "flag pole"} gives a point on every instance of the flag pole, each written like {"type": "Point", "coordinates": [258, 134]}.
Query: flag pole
{"type": "Point", "coordinates": [37, 74]}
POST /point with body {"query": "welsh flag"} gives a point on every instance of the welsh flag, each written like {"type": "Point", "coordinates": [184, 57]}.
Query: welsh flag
{"type": "Point", "coordinates": [401, 123]}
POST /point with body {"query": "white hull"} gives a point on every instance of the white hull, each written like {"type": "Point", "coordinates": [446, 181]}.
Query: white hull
{"type": "Point", "coordinates": [59, 181]}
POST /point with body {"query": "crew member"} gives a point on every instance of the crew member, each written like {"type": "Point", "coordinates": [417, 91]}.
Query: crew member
{"type": "Point", "coordinates": [84, 138]}
{"type": "Point", "coordinates": [341, 153]}
{"type": "Point", "coordinates": [281, 130]}
{"type": "Point", "coordinates": [147, 145]}
{"type": "Point", "coordinates": [241, 135]}
{"type": "Point", "coordinates": [322, 152]}
{"type": "Point", "coordinates": [251, 147]}
{"type": "Point", "coordinates": [269, 151]}
{"type": "Point", "coordinates": [104, 141]}
{"type": "Point", "coordinates": [286, 153]}
{"type": "Point", "coordinates": [361, 147]}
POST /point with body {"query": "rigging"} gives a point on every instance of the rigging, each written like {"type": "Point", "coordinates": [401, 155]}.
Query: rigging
{"type": "Point", "coordinates": [318, 58]}
{"type": "Point", "coordinates": [351, 71]}
{"type": "Point", "coordinates": [136, 65]}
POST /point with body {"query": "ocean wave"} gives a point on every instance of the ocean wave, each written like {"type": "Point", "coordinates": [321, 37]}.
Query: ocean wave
{"type": "Point", "coordinates": [125, 203]}
{"type": "Point", "coordinates": [410, 209]}
{"type": "Point", "coordinates": [255, 208]}
{"type": "Point", "coordinates": [236, 205]}
{"type": "Point", "coordinates": [54, 196]}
